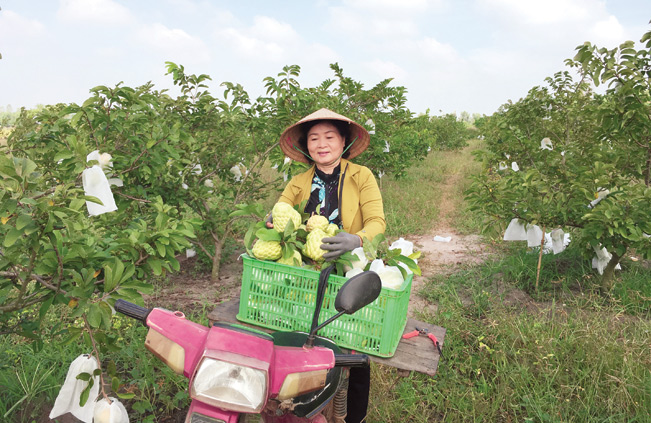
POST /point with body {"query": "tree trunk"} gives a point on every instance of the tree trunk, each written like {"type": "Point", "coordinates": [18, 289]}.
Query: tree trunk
{"type": "Point", "coordinates": [608, 277]}
{"type": "Point", "coordinates": [216, 259]}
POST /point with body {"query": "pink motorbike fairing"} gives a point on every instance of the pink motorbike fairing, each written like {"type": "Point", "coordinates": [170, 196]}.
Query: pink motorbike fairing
{"type": "Point", "coordinates": [238, 346]}
{"type": "Point", "coordinates": [289, 360]}
{"type": "Point", "coordinates": [189, 335]}
{"type": "Point", "coordinates": [212, 412]}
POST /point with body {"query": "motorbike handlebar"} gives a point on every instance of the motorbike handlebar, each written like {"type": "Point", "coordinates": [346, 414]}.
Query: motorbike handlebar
{"type": "Point", "coordinates": [132, 310]}
{"type": "Point", "coordinates": [352, 360]}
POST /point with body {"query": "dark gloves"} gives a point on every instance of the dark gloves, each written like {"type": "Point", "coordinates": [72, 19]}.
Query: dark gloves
{"type": "Point", "coordinates": [270, 221]}
{"type": "Point", "coordinates": [339, 244]}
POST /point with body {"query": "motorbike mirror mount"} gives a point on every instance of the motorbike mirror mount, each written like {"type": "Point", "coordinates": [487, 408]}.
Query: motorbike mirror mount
{"type": "Point", "coordinates": [356, 293]}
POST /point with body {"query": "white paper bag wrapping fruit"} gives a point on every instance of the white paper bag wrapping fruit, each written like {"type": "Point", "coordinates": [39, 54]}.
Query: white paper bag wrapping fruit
{"type": "Point", "coordinates": [360, 263]}
{"type": "Point", "coordinates": [68, 399]}
{"type": "Point", "coordinates": [390, 276]}
{"type": "Point", "coordinates": [406, 247]}
{"type": "Point", "coordinates": [97, 185]}
{"type": "Point", "coordinates": [110, 413]}
{"type": "Point", "coordinates": [515, 231]}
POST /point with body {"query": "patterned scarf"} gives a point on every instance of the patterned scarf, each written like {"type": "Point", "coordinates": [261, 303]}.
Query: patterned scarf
{"type": "Point", "coordinates": [324, 195]}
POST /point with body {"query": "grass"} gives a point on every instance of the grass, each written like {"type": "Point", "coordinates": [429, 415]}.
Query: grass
{"type": "Point", "coordinates": [581, 360]}
{"type": "Point", "coordinates": [562, 353]}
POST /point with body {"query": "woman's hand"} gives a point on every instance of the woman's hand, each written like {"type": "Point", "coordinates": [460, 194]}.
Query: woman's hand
{"type": "Point", "coordinates": [339, 244]}
{"type": "Point", "coordinates": [270, 221]}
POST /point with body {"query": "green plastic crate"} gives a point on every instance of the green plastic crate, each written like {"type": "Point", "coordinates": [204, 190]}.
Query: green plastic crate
{"type": "Point", "coordinates": [282, 297]}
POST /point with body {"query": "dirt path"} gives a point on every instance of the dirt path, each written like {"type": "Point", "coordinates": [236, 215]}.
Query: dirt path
{"type": "Point", "coordinates": [441, 257]}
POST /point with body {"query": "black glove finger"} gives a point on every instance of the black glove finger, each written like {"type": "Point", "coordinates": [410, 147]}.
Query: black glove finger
{"type": "Point", "coordinates": [331, 240]}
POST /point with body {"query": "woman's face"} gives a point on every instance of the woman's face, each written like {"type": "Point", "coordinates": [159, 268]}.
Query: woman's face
{"type": "Point", "coordinates": [325, 145]}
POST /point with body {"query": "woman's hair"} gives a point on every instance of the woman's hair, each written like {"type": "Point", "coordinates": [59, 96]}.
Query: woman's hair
{"type": "Point", "coordinates": [342, 127]}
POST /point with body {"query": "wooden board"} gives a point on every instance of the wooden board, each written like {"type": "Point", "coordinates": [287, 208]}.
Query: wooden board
{"type": "Point", "coordinates": [416, 354]}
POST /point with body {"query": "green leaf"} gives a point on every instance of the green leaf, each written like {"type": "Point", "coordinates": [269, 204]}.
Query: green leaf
{"type": "Point", "coordinates": [126, 395]}
{"type": "Point", "coordinates": [268, 235]}
{"type": "Point", "coordinates": [289, 229]}
{"type": "Point", "coordinates": [84, 376]}
{"type": "Point", "coordinates": [11, 237]}
{"type": "Point", "coordinates": [85, 393]}
{"type": "Point", "coordinates": [23, 220]}
{"type": "Point", "coordinates": [156, 265]}
{"type": "Point", "coordinates": [63, 154]}
{"type": "Point", "coordinates": [94, 316]}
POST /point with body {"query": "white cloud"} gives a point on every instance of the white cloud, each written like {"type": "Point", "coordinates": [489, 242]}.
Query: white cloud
{"type": "Point", "coordinates": [353, 23]}
{"type": "Point", "coordinates": [386, 69]}
{"type": "Point", "coordinates": [608, 32]}
{"type": "Point", "coordinates": [266, 28]}
{"type": "Point", "coordinates": [15, 26]}
{"type": "Point", "coordinates": [94, 12]}
{"type": "Point", "coordinates": [267, 39]}
{"type": "Point", "coordinates": [542, 12]}
{"type": "Point", "coordinates": [391, 8]}
{"type": "Point", "coordinates": [175, 44]}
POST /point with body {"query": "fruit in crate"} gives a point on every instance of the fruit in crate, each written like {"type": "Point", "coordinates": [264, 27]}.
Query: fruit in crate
{"type": "Point", "coordinates": [313, 245]}
{"type": "Point", "coordinates": [282, 213]}
{"type": "Point", "coordinates": [294, 260]}
{"type": "Point", "coordinates": [317, 222]}
{"type": "Point", "coordinates": [267, 250]}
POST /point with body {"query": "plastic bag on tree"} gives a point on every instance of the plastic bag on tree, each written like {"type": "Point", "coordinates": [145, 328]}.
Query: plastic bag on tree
{"type": "Point", "coordinates": [110, 413]}
{"type": "Point", "coordinates": [68, 399]}
{"type": "Point", "coordinates": [516, 231]}
{"type": "Point", "coordinates": [601, 260]}
{"type": "Point", "coordinates": [97, 185]}
{"type": "Point", "coordinates": [560, 240]}
{"type": "Point", "coordinates": [534, 236]}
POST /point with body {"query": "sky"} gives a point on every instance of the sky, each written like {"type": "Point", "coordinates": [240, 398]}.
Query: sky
{"type": "Point", "coordinates": [451, 55]}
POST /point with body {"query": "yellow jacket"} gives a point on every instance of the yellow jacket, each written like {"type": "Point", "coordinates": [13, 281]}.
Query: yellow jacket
{"type": "Point", "coordinates": [361, 209]}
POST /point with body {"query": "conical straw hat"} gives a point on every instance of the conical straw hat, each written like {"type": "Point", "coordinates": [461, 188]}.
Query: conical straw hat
{"type": "Point", "coordinates": [289, 139]}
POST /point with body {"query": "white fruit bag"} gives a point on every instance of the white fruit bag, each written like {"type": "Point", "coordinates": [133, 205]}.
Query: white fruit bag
{"type": "Point", "coordinates": [96, 184]}
{"type": "Point", "coordinates": [361, 261]}
{"type": "Point", "coordinates": [68, 399]}
{"type": "Point", "coordinates": [391, 277]}
{"type": "Point", "coordinates": [110, 413]}
{"type": "Point", "coordinates": [534, 236]}
{"type": "Point", "coordinates": [515, 231]}
{"type": "Point", "coordinates": [354, 272]}
{"type": "Point", "coordinates": [406, 247]}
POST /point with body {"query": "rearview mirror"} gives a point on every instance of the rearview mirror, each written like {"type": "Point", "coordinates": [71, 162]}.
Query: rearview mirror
{"type": "Point", "coordinates": [357, 292]}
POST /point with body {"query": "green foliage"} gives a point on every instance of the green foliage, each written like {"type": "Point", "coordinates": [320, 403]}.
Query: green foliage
{"type": "Point", "coordinates": [600, 145]}
{"type": "Point", "coordinates": [508, 357]}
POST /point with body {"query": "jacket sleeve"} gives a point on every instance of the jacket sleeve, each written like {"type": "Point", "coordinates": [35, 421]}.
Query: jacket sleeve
{"type": "Point", "coordinates": [370, 202]}
{"type": "Point", "coordinates": [291, 193]}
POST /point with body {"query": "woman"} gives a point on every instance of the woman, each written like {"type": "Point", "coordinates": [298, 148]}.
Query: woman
{"type": "Point", "coordinates": [346, 193]}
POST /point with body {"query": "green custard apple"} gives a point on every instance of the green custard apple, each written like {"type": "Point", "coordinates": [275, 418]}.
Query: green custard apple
{"type": "Point", "coordinates": [282, 213]}
{"type": "Point", "coordinates": [317, 222]}
{"type": "Point", "coordinates": [295, 260]}
{"type": "Point", "coordinates": [313, 245]}
{"type": "Point", "coordinates": [267, 250]}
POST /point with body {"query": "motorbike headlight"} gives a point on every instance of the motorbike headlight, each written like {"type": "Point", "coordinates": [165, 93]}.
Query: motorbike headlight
{"type": "Point", "coordinates": [230, 386]}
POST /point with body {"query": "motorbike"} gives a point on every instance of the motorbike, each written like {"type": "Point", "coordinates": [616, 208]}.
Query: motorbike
{"type": "Point", "coordinates": [235, 371]}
